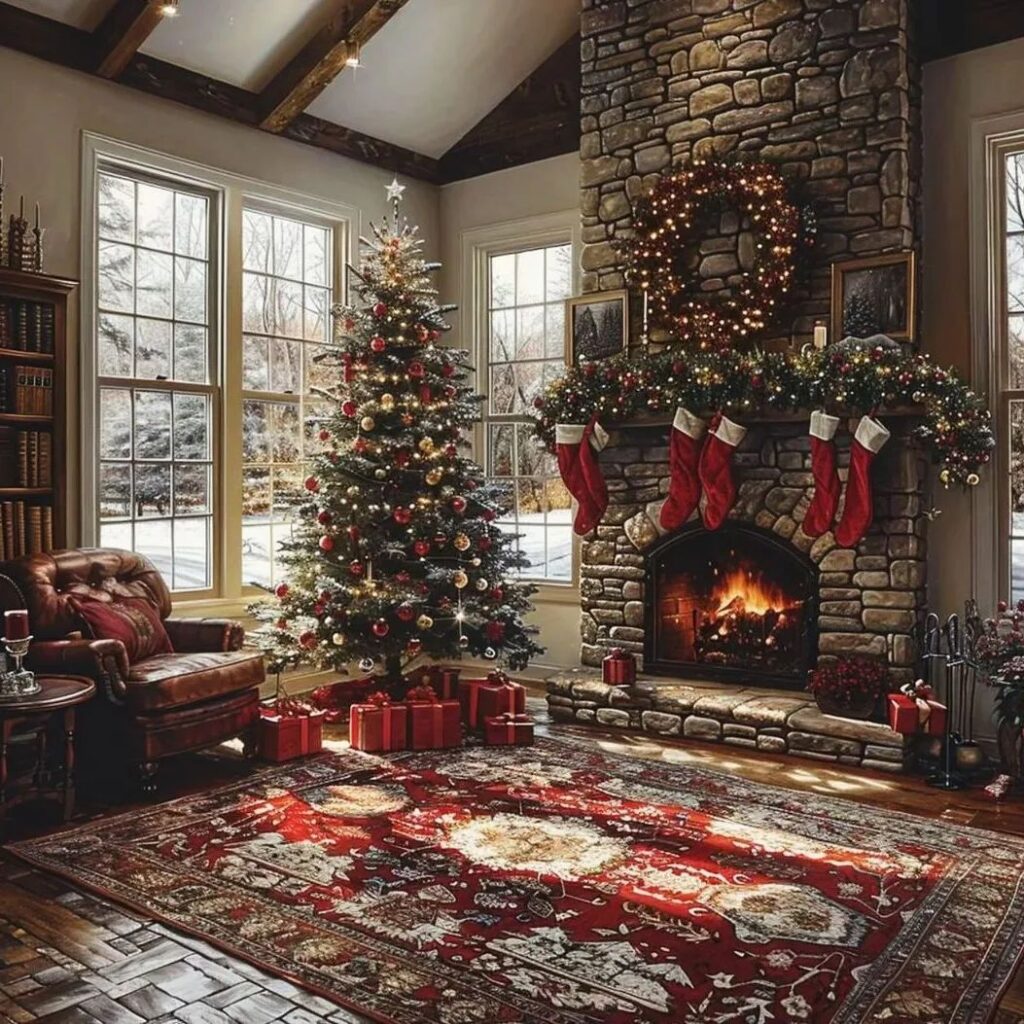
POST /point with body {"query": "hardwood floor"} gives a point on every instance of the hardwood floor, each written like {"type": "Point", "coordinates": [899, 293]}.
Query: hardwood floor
{"type": "Point", "coordinates": [67, 957]}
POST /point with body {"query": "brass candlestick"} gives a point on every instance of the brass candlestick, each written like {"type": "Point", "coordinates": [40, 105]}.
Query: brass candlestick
{"type": "Point", "coordinates": [20, 682]}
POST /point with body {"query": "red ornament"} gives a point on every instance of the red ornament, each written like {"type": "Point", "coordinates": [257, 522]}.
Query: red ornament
{"type": "Point", "coordinates": [494, 630]}
{"type": "Point", "coordinates": [451, 451]}
{"type": "Point", "coordinates": [450, 391]}
{"type": "Point", "coordinates": [380, 310]}
{"type": "Point", "coordinates": [402, 577]}
{"type": "Point", "coordinates": [458, 505]}
{"type": "Point", "coordinates": [416, 369]}
{"type": "Point", "coordinates": [484, 543]}
{"type": "Point", "coordinates": [405, 611]}
{"type": "Point", "coordinates": [425, 394]}
{"type": "Point", "coordinates": [381, 628]}
{"type": "Point", "coordinates": [282, 590]}
{"type": "Point", "coordinates": [447, 370]}
{"type": "Point", "coordinates": [414, 646]}
{"type": "Point", "coordinates": [402, 458]}
{"type": "Point", "coordinates": [378, 344]}
{"type": "Point", "coordinates": [353, 532]}
{"type": "Point", "coordinates": [324, 517]}
{"type": "Point", "coordinates": [318, 610]}
{"type": "Point", "coordinates": [325, 596]}
{"type": "Point", "coordinates": [538, 402]}
{"type": "Point", "coordinates": [312, 484]}
{"type": "Point", "coordinates": [422, 548]}
{"type": "Point", "coordinates": [326, 543]}
{"type": "Point", "coordinates": [422, 333]}
{"type": "Point", "coordinates": [356, 568]}
{"type": "Point", "coordinates": [435, 334]}
{"type": "Point", "coordinates": [402, 516]}
{"type": "Point", "coordinates": [497, 594]}
{"type": "Point", "coordinates": [308, 639]}
{"type": "Point", "coordinates": [324, 435]}
{"type": "Point", "coordinates": [359, 445]}
{"type": "Point", "coordinates": [349, 408]}
{"type": "Point", "coordinates": [488, 515]}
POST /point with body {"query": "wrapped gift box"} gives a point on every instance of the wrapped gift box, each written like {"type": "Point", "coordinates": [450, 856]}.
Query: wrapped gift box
{"type": "Point", "coordinates": [495, 695]}
{"type": "Point", "coordinates": [378, 726]}
{"type": "Point", "coordinates": [336, 699]}
{"type": "Point", "coordinates": [434, 724]}
{"type": "Point", "coordinates": [619, 668]}
{"type": "Point", "coordinates": [284, 737]}
{"type": "Point", "coordinates": [910, 715]}
{"type": "Point", "coordinates": [508, 730]}
{"type": "Point", "coordinates": [443, 681]}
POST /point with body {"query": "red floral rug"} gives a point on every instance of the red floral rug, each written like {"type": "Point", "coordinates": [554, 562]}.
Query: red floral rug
{"type": "Point", "coordinates": [560, 885]}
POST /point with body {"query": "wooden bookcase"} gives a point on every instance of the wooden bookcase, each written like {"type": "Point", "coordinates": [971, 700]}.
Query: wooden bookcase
{"type": "Point", "coordinates": [33, 336]}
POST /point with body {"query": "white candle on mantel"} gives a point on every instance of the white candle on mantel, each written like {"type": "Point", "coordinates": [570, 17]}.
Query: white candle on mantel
{"type": "Point", "coordinates": [820, 335]}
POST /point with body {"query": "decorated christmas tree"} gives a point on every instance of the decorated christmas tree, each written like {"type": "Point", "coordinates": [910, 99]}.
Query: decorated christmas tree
{"type": "Point", "coordinates": [395, 552]}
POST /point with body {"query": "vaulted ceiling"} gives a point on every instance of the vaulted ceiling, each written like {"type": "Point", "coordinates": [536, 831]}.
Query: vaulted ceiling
{"type": "Point", "coordinates": [430, 70]}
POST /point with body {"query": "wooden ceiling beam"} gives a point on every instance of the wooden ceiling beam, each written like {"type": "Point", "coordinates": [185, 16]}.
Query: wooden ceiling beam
{"type": "Point", "coordinates": [540, 118]}
{"type": "Point", "coordinates": [949, 27]}
{"type": "Point", "coordinates": [322, 59]}
{"type": "Point", "coordinates": [45, 38]}
{"type": "Point", "coordinates": [128, 24]}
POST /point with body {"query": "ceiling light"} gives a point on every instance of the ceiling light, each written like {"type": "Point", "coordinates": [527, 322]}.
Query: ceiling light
{"type": "Point", "coordinates": [352, 60]}
{"type": "Point", "coordinates": [167, 8]}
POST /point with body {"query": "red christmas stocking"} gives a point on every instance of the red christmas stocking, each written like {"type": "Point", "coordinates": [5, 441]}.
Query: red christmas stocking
{"type": "Point", "coordinates": [577, 447]}
{"type": "Point", "coordinates": [688, 432]}
{"type": "Point", "coordinates": [859, 507]}
{"type": "Point", "coordinates": [822, 510]}
{"type": "Point", "coordinates": [716, 469]}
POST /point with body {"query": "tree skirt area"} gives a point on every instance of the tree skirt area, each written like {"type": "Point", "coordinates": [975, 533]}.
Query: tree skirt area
{"type": "Point", "coordinates": [557, 884]}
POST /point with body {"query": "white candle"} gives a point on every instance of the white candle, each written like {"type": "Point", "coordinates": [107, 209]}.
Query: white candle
{"type": "Point", "coordinates": [820, 335]}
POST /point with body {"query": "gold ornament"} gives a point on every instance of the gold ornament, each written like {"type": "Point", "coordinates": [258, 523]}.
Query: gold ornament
{"type": "Point", "coordinates": [461, 542]}
{"type": "Point", "coordinates": [944, 477]}
{"type": "Point", "coordinates": [353, 491]}
{"type": "Point", "coordinates": [387, 402]}
{"type": "Point", "coordinates": [460, 579]}
{"type": "Point", "coordinates": [338, 639]}
{"type": "Point", "coordinates": [482, 584]}
{"type": "Point", "coordinates": [426, 445]}
{"type": "Point", "coordinates": [973, 479]}
{"type": "Point", "coordinates": [367, 423]}
{"type": "Point", "coordinates": [424, 622]}
{"type": "Point", "coordinates": [433, 476]}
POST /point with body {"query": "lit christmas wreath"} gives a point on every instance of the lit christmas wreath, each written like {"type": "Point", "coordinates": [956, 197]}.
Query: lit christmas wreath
{"type": "Point", "coordinates": [668, 222]}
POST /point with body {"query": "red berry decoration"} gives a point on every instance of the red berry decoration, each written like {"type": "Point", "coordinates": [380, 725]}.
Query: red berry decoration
{"type": "Point", "coordinates": [422, 548]}
{"type": "Point", "coordinates": [326, 543]}
{"type": "Point", "coordinates": [405, 611]}
{"type": "Point", "coordinates": [282, 590]}
{"type": "Point", "coordinates": [349, 323]}
{"type": "Point", "coordinates": [484, 543]}
{"type": "Point", "coordinates": [381, 628]}
{"type": "Point", "coordinates": [324, 435]}
{"type": "Point", "coordinates": [488, 515]}
{"type": "Point", "coordinates": [458, 505]}
{"type": "Point", "coordinates": [356, 568]}
{"type": "Point", "coordinates": [308, 639]}
{"type": "Point", "coordinates": [378, 344]}
{"type": "Point", "coordinates": [447, 370]}
{"type": "Point", "coordinates": [312, 484]}
{"type": "Point", "coordinates": [318, 610]}
{"type": "Point", "coordinates": [349, 408]}
{"type": "Point", "coordinates": [402, 516]}
{"type": "Point", "coordinates": [380, 310]}
{"type": "Point", "coordinates": [416, 369]}
{"type": "Point", "coordinates": [324, 517]}
{"type": "Point", "coordinates": [451, 451]}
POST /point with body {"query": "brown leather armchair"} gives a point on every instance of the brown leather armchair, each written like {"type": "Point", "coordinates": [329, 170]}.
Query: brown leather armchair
{"type": "Point", "coordinates": [203, 693]}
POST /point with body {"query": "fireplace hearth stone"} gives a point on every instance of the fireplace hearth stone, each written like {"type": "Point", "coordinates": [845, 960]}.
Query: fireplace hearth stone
{"type": "Point", "coordinates": [756, 718]}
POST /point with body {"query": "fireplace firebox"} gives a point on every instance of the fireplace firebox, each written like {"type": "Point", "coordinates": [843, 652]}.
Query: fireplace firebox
{"type": "Point", "coordinates": [739, 603]}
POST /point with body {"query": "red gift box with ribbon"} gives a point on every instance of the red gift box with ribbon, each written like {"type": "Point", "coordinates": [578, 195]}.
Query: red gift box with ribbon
{"type": "Point", "coordinates": [289, 729]}
{"type": "Point", "coordinates": [335, 699]}
{"type": "Point", "coordinates": [378, 725]}
{"type": "Point", "coordinates": [913, 710]}
{"type": "Point", "coordinates": [495, 695]}
{"type": "Point", "coordinates": [508, 730]}
{"type": "Point", "coordinates": [443, 681]}
{"type": "Point", "coordinates": [433, 723]}
{"type": "Point", "coordinates": [618, 668]}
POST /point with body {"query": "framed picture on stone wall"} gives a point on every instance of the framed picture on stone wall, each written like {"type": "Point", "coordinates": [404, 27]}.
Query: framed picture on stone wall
{"type": "Point", "coordinates": [875, 295]}
{"type": "Point", "coordinates": [596, 326]}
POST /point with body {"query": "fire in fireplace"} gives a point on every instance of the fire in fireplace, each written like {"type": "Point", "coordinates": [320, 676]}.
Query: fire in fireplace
{"type": "Point", "coordinates": [738, 603]}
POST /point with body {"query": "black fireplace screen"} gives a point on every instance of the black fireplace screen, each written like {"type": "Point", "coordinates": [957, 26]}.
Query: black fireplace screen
{"type": "Point", "coordinates": [737, 603]}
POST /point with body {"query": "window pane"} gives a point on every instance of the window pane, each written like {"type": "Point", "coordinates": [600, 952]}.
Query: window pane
{"type": "Point", "coordinates": [1015, 337]}
{"type": "Point", "coordinates": [285, 435]}
{"type": "Point", "coordinates": [256, 556]}
{"type": "Point", "coordinates": [286, 366]}
{"type": "Point", "coordinates": [529, 277]}
{"type": "Point", "coordinates": [288, 309]}
{"type": "Point", "coordinates": [191, 360]}
{"type": "Point", "coordinates": [154, 272]}
{"type": "Point", "coordinates": [116, 277]}
{"type": "Point", "coordinates": [155, 216]}
{"type": "Point", "coordinates": [117, 536]}
{"type": "Point", "coordinates": [190, 225]}
{"type": "Point", "coordinates": [116, 344]}
{"type": "Point", "coordinates": [152, 425]}
{"type": "Point", "coordinates": [501, 449]}
{"type": "Point", "coordinates": [530, 333]}
{"type": "Point", "coordinates": [255, 432]}
{"type": "Point", "coordinates": [191, 427]}
{"type": "Point", "coordinates": [115, 424]}
{"type": "Point", "coordinates": [554, 330]}
{"type": "Point", "coordinates": [116, 208]}
{"type": "Point", "coordinates": [503, 281]}
{"type": "Point", "coordinates": [152, 490]}
{"type": "Point", "coordinates": [503, 336]}
{"type": "Point", "coordinates": [192, 490]}
{"type": "Point", "coordinates": [288, 248]}
{"type": "Point", "coordinates": [115, 490]}
{"type": "Point", "coordinates": [559, 273]}
{"type": "Point", "coordinates": [255, 364]}
{"type": "Point", "coordinates": [256, 240]}
{"type": "Point", "coordinates": [258, 304]}
{"type": "Point", "coordinates": [191, 554]}
{"type": "Point", "coordinates": [315, 315]}
{"type": "Point", "coordinates": [559, 553]}
{"type": "Point", "coordinates": [153, 539]}
{"type": "Point", "coordinates": [190, 290]}
{"type": "Point", "coordinates": [152, 349]}
{"type": "Point", "coordinates": [316, 255]}
{"type": "Point", "coordinates": [1015, 273]}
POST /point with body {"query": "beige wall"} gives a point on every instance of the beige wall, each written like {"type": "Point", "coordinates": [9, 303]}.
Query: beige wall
{"type": "Point", "coordinates": [46, 108]}
{"type": "Point", "coordinates": [545, 187]}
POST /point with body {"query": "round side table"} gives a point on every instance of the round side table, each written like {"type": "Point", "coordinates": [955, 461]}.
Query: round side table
{"type": "Point", "coordinates": [60, 695]}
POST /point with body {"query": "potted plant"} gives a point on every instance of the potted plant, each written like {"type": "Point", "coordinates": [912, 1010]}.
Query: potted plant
{"type": "Point", "coordinates": [849, 687]}
{"type": "Point", "coordinates": [999, 653]}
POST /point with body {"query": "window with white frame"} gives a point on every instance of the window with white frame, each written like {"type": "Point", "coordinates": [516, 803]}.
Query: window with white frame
{"type": "Point", "coordinates": [1010, 371]}
{"type": "Point", "coordinates": [156, 362]}
{"type": "Point", "coordinates": [526, 291]}
{"type": "Point", "coordinates": [207, 303]}
{"type": "Point", "coordinates": [286, 291]}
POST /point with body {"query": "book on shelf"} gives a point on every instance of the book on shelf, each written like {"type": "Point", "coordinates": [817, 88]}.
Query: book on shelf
{"type": "Point", "coordinates": [29, 454]}
{"type": "Point", "coordinates": [25, 529]}
{"type": "Point", "coordinates": [33, 390]}
{"type": "Point", "coordinates": [28, 326]}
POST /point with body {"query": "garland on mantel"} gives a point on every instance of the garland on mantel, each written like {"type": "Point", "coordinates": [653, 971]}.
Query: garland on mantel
{"type": "Point", "coordinates": [850, 378]}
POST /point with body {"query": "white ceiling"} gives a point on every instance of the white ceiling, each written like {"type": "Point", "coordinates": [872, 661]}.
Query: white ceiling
{"type": "Point", "coordinates": [434, 70]}
{"type": "Point", "coordinates": [439, 66]}
{"type": "Point", "coordinates": [85, 14]}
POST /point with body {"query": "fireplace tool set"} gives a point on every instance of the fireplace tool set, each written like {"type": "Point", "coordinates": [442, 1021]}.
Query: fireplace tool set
{"type": "Point", "coordinates": [949, 667]}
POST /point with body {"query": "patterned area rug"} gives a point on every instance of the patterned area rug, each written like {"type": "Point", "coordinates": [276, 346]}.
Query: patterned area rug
{"type": "Point", "coordinates": [560, 885]}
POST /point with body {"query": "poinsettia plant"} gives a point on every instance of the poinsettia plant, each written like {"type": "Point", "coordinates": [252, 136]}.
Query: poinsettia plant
{"type": "Point", "coordinates": [1000, 638]}
{"type": "Point", "coordinates": [850, 680]}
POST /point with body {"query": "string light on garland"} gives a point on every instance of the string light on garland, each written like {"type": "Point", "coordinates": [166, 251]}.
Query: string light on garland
{"type": "Point", "coordinates": [669, 223]}
{"type": "Point", "coordinates": [954, 421]}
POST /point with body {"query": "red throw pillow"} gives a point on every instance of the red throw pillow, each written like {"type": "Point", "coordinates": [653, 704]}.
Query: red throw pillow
{"type": "Point", "coordinates": [133, 621]}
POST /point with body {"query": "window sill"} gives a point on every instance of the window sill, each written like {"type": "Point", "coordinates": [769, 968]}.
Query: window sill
{"type": "Point", "coordinates": [557, 593]}
{"type": "Point", "coordinates": [215, 608]}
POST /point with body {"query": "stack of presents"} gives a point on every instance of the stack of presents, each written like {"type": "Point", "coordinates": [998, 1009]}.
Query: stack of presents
{"type": "Point", "coordinates": [437, 710]}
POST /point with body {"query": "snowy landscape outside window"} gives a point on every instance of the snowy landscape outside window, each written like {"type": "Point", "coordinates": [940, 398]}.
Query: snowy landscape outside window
{"type": "Point", "coordinates": [526, 293]}
{"type": "Point", "coordinates": [286, 298]}
{"type": "Point", "coordinates": [156, 345]}
{"type": "Point", "coordinates": [1011, 370]}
